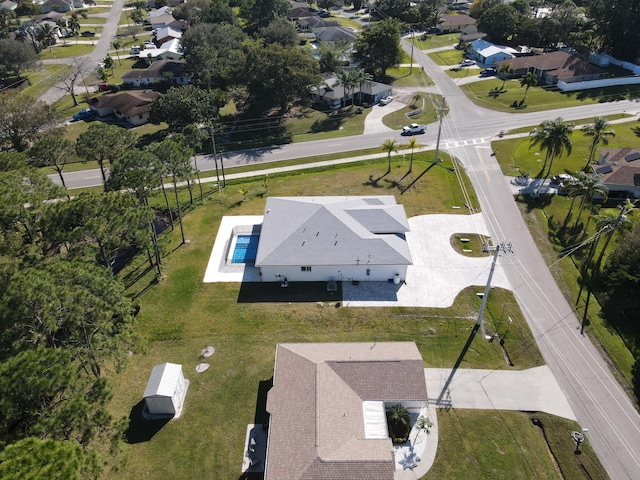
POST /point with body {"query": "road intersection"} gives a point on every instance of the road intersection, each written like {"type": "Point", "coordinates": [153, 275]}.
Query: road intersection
{"type": "Point", "coordinates": [595, 396]}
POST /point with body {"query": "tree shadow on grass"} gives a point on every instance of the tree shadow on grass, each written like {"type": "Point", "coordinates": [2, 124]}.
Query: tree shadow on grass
{"type": "Point", "coordinates": [636, 131]}
{"type": "Point", "coordinates": [326, 124]}
{"type": "Point", "coordinates": [374, 182]}
{"type": "Point", "coordinates": [141, 429]}
{"type": "Point", "coordinates": [266, 292]}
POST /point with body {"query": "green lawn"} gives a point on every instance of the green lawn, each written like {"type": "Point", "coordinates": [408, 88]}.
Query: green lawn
{"type": "Point", "coordinates": [400, 77]}
{"type": "Point", "coordinates": [448, 57]}
{"type": "Point", "coordinates": [313, 124]}
{"type": "Point", "coordinates": [490, 94]}
{"type": "Point", "coordinates": [41, 79]}
{"type": "Point", "coordinates": [181, 315]}
{"type": "Point", "coordinates": [92, 21]}
{"type": "Point", "coordinates": [398, 119]}
{"type": "Point", "coordinates": [71, 49]}
{"type": "Point", "coordinates": [437, 41]}
{"type": "Point", "coordinates": [503, 444]}
{"type": "Point", "coordinates": [581, 121]}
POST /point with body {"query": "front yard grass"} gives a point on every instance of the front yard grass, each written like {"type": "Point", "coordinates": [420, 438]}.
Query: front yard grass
{"type": "Point", "coordinates": [400, 76]}
{"type": "Point", "coordinates": [490, 94]}
{"type": "Point", "coordinates": [437, 41]}
{"type": "Point", "coordinates": [42, 79]}
{"type": "Point", "coordinates": [504, 444]}
{"type": "Point", "coordinates": [448, 57]}
{"type": "Point", "coordinates": [181, 315]}
{"type": "Point", "coordinates": [581, 121]}
{"type": "Point", "coordinates": [312, 124]}
{"type": "Point", "coordinates": [71, 49]}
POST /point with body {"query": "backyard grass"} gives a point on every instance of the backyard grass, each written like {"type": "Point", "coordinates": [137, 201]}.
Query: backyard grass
{"type": "Point", "coordinates": [399, 118]}
{"type": "Point", "coordinates": [504, 444]}
{"type": "Point", "coordinates": [447, 57]}
{"type": "Point", "coordinates": [490, 94]}
{"type": "Point", "coordinates": [181, 315]}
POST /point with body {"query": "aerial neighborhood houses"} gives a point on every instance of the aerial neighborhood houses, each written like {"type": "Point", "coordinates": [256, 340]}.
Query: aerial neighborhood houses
{"type": "Point", "coordinates": [619, 170]}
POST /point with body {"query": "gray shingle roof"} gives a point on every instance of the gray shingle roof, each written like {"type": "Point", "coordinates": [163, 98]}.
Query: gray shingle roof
{"type": "Point", "coordinates": [317, 426]}
{"type": "Point", "coordinates": [333, 231]}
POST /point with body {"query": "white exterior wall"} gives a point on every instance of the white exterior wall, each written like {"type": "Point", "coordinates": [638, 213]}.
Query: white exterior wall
{"type": "Point", "coordinates": [377, 273]}
{"type": "Point", "coordinates": [606, 82]}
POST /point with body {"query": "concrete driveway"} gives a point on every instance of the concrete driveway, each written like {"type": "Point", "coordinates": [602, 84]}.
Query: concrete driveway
{"type": "Point", "coordinates": [438, 273]}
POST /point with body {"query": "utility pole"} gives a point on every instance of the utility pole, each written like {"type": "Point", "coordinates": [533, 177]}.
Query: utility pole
{"type": "Point", "coordinates": [215, 154]}
{"type": "Point", "coordinates": [441, 115]}
{"type": "Point", "coordinates": [412, 43]}
{"type": "Point", "coordinates": [487, 287]}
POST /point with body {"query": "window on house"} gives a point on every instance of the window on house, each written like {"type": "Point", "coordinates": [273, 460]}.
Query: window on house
{"type": "Point", "coordinates": [305, 269]}
{"type": "Point", "coordinates": [140, 116]}
{"type": "Point", "coordinates": [368, 271]}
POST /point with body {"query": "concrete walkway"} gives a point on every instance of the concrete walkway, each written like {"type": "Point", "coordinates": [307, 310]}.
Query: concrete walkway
{"type": "Point", "coordinates": [532, 390]}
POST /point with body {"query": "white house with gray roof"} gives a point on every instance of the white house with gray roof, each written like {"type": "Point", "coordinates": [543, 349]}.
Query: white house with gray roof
{"type": "Point", "coordinates": [306, 239]}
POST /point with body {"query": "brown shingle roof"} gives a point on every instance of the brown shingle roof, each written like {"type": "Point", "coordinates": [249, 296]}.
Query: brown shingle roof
{"type": "Point", "coordinates": [317, 426]}
{"type": "Point", "coordinates": [560, 65]}
{"type": "Point", "coordinates": [625, 166]}
{"type": "Point", "coordinates": [455, 20]}
{"type": "Point", "coordinates": [156, 69]}
{"type": "Point", "coordinates": [128, 103]}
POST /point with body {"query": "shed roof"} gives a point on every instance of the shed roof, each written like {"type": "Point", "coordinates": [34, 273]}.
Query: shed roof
{"type": "Point", "coordinates": [333, 231]}
{"type": "Point", "coordinates": [317, 407]}
{"type": "Point", "coordinates": [163, 380]}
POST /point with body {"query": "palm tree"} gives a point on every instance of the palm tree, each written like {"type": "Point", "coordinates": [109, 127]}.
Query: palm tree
{"type": "Point", "coordinates": [109, 64]}
{"type": "Point", "coordinates": [347, 80]}
{"type": "Point", "coordinates": [413, 143]}
{"type": "Point", "coordinates": [614, 223]}
{"type": "Point", "coordinates": [62, 24]}
{"type": "Point", "coordinates": [597, 130]}
{"type": "Point", "coordinates": [74, 26]}
{"type": "Point", "coordinates": [573, 188]}
{"type": "Point", "coordinates": [504, 71]}
{"type": "Point", "coordinates": [389, 145]}
{"type": "Point", "coordinates": [528, 81]}
{"type": "Point", "coordinates": [46, 35]}
{"type": "Point", "coordinates": [553, 137]}
{"type": "Point", "coordinates": [399, 421]}
{"type": "Point", "coordinates": [590, 186]}
{"type": "Point", "coordinates": [117, 44]}
{"type": "Point", "coordinates": [361, 78]}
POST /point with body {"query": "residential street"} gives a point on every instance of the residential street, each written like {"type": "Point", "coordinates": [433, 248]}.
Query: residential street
{"type": "Point", "coordinates": [90, 61]}
{"type": "Point", "coordinates": [593, 393]}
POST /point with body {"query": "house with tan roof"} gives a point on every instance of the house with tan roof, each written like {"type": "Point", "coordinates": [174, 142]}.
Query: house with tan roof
{"type": "Point", "coordinates": [619, 170]}
{"type": "Point", "coordinates": [131, 107]}
{"type": "Point", "coordinates": [311, 239]}
{"type": "Point", "coordinates": [327, 408]}
{"type": "Point", "coordinates": [170, 71]}
{"type": "Point", "coordinates": [455, 23]}
{"type": "Point", "coordinates": [552, 67]}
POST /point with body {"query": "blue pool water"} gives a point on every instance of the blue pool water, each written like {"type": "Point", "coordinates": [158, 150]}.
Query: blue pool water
{"type": "Point", "coordinates": [246, 249]}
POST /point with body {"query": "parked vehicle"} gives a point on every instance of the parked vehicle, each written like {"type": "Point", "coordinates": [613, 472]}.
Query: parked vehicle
{"type": "Point", "coordinates": [562, 179]}
{"type": "Point", "coordinates": [488, 72]}
{"type": "Point", "coordinates": [84, 115]}
{"type": "Point", "coordinates": [88, 33]}
{"type": "Point", "coordinates": [467, 63]}
{"type": "Point", "coordinates": [135, 50]}
{"type": "Point", "coordinates": [414, 128]}
{"type": "Point", "coordinates": [386, 100]}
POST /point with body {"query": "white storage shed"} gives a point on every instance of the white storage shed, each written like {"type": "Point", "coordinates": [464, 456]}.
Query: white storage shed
{"type": "Point", "coordinates": [166, 390]}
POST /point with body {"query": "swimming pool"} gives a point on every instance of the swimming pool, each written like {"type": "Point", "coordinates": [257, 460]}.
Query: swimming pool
{"type": "Point", "coordinates": [245, 249]}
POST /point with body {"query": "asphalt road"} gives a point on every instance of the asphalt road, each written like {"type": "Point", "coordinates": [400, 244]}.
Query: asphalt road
{"type": "Point", "coordinates": [598, 400]}
{"type": "Point", "coordinates": [89, 62]}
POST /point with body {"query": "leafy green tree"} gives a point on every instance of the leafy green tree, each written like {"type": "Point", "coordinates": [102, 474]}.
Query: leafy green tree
{"type": "Point", "coordinates": [278, 77]}
{"type": "Point", "coordinates": [176, 159]}
{"type": "Point", "coordinates": [333, 55]}
{"type": "Point", "coordinates": [262, 12]}
{"type": "Point", "coordinates": [45, 394]}
{"type": "Point", "coordinates": [598, 131]}
{"type": "Point", "coordinates": [23, 118]}
{"type": "Point", "coordinates": [529, 80]}
{"type": "Point", "coordinates": [7, 22]}
{"type": "Point", "coordinates": [109, 64]}
{"type": "Point", "coordinates": [193, 137]}
{"type": "Point", "coordinates": [12, 161]}
{"type": "Point", "coordinates": [186, 105]}
{"type": "Point", "coordinates": [616, 23]}
{"type": "Point", "coordinates": [104, 143]}
{"type": "Point", "coordinates": [392, 8]}
{"type": "Point", "coordinates": [219, 11]}
{"type": "Point", "coordinates": [499, 22]}
{"type": "Point", "coordinates": [52, 152]}
{"type": "Point", "coordinates": [97, 226]}
{"type": "Point", "coordinates": [390, 146]}
{"type": "Point", "coordinates": [76, 307]}
{"type": "Point", "coordinates": [16, 56]}
{"type": "Point", "coordinates": [280, 30]}
{"type": "Point", "coordinates": [36, 458]}
{"type": "Point", "coordinates": [378, 48]}
{"type": "Point", "coordinates": [480, 6]}
{"type": "Point", "coordinates": [24, 193]}
{"type": "Point", "coordinates": [553, 136]}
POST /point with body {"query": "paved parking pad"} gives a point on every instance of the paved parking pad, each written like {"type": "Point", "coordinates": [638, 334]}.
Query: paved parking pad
{"type": "Point", "coordinates": [438, 273]}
